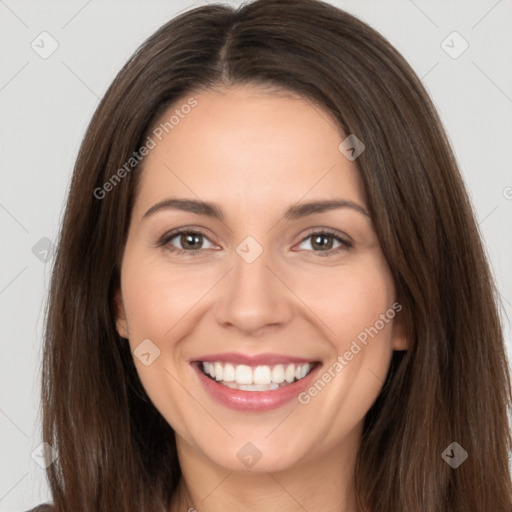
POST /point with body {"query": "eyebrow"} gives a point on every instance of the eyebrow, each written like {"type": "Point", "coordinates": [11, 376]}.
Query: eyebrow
{"type": "Point", "coordinates": [212, 210]}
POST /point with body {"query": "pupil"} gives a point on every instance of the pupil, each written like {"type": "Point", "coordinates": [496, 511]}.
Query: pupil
{"type": "Point", "coordinates": [317, 242]}
{"type": "Point", "coordinates": [190, 239]}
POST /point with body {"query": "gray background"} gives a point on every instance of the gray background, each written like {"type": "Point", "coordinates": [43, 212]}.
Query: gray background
{"type": "Point", "coordinates": [46, 105]}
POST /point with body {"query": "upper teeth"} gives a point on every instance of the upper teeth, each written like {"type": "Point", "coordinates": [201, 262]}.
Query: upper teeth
{"type": "Point", "coordinates": [243, 374]}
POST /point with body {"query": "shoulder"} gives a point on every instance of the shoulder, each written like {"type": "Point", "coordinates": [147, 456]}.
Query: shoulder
{"type": "Point", "coordinates": [46, 507]}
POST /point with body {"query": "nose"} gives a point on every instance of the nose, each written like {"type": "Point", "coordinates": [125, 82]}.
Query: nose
{"type": "Point", "coordinates": [254, 297]}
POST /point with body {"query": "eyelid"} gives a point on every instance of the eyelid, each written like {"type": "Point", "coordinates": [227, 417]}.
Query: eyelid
{"type": "Point", "coordinates": [325, 230]}
{"type": "Point", "coordinates": [166, 238]}
{"type": "Point", "coordinates": [345, 241]}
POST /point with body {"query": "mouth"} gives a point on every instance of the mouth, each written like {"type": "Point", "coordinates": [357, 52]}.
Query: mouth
{"type": "Point", "coordinates": [255, 383]}
{"type": "Point", "coordinates": [255, 378]}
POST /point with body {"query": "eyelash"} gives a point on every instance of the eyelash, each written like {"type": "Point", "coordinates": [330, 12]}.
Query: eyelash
{"type": "Point", "coordinates": [166, 239]}
{"type": "Point", "coordinates": [345, 243]}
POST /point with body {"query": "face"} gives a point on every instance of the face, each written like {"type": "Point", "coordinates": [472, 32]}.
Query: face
{"type": "Point", "coordinates": [262, 329]}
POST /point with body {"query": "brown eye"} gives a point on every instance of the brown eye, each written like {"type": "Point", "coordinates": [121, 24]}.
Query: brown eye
{"type": "Point", "coordinates": [322, 242]}
{"type": "Point", "coordinates": [182, 242]}
{"type": "Point", "coordinates": [191, 240]}
{"type": "Point", "coordinates": [325, 242]}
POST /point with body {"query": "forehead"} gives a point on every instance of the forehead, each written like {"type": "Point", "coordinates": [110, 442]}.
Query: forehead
{"type": "Point", "coordinates": [248, 146]}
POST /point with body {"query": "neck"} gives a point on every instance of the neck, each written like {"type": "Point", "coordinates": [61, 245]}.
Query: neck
{"type": "Point", "coordinates": [323, 482]}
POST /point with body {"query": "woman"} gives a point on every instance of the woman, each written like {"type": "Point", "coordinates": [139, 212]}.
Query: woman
{"type": "Point", "coordinates": [270, 291]}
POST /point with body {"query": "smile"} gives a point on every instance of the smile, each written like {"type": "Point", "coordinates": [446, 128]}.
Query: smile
{"type": "Point", "coordinates": [254, 383]}
{"type": "Point", "coordinates": [257, 378]}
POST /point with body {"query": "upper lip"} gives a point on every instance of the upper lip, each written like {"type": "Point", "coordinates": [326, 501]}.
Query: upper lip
{"type": "Point", "coordinates": [252, 360]}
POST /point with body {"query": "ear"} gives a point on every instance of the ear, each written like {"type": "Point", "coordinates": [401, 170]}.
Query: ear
{"type": "Point", "coordinates": [121, 323]}
{"type": "Point", "coordinates": [400, 332]}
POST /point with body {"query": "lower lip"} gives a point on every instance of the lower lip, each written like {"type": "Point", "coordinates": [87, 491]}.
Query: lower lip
{"type": "Point", "coordinates": [256, 401]}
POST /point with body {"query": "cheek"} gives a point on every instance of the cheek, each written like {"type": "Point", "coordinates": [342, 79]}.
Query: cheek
{"type": "Point", "coordinates": [156, 298]}
{"type": "Point", "coordinates": [351, 307]}
{"type": "Point", "coordinates": [350, 302]}
{"type": "Point", "coordinates": [349, 299]}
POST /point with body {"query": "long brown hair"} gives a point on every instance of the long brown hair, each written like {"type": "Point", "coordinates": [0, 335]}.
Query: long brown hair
{"type": "Point", "coordinates": [116, 452]}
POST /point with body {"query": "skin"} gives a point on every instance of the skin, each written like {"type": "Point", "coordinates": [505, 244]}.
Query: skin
{"type": "Point", "coordinates": [255, 152]}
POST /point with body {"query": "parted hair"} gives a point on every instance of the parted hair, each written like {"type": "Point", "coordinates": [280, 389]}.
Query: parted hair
{"type": "Point", "coordinates": [115, 450]}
